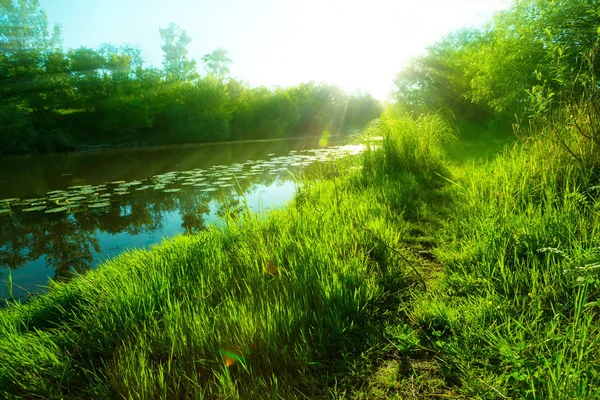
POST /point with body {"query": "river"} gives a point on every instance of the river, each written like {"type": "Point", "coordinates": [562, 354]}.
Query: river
{"type": "Point", "coordinates": [63, 214]}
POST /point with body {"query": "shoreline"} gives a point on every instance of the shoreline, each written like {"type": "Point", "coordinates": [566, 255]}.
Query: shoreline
{"type": "Point", "coordinates": [136, 147]}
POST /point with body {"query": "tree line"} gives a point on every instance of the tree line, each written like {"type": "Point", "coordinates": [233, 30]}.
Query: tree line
{"type": "Point", "coordinates": [53, 99]}
{"type": "Point", "coordinates": [526, 59]}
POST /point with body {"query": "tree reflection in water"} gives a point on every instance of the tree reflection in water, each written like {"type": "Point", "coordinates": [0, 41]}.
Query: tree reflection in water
{"type": "Point", "coordinates": [73, 236]}
{"type": "Point", "coordinates": [72, 242]}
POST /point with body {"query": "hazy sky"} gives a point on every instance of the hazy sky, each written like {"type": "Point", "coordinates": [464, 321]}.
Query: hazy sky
{"type": "Point", "coordinates": [355, 44]}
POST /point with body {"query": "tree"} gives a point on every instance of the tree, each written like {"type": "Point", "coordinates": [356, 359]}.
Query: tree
{"type": "Point", "coordinates": [24, 28]}
{"type": "Point", "coordinates": [26, 46]}
{"type": "Point", "coordinates": [442, 78]}
{"type": "Point", "coordinates": [362, 108]}
{"type": "Point", "coordinates": [217, 63]}
{"type": "Point", "coordinates": [176, 63]}
{"type": "Point", "coordinates": [24, 43]}
{"type": "Point", "coordinates": [86, 62]}
{"type": "Point", "coordinates": [122, 62]}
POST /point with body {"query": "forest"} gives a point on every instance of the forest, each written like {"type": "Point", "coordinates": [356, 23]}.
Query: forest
{"type": "Point", "coordinates": [52, 99]}
{"type": "Point", "coordinates": [455, 257]}
{"type": "Point", "coordinates": [521, 65]}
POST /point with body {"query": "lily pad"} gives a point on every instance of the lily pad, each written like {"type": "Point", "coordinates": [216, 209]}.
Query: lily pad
{"type": "Point", "coordinates": [98, 205]}
{"type": "Point", "coordinates": [56, 210]}
{"type": "Point", "coordinates": [133, 183]}
{"type": "Point", "coordinates": [76, 198]}
{"type": "Point", "coordinates": [172, 190]}
{"type": "Point", "coordinates": [196, 179]}
{"type": "Point", "coordinates": [4, 211]}
{"type": "Point", "coordinates": [11, 200]}
{"type": "Point", "coordinates": [209, 189]}
{"type": "Point", "coordinates": [38, 208]}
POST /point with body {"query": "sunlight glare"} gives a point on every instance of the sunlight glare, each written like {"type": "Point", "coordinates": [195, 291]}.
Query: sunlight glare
{"type": "Point", "coordinates": [356, 45]}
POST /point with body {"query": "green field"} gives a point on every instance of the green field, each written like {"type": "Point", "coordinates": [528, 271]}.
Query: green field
{"type": "Point", "coordinates": [400, 274]}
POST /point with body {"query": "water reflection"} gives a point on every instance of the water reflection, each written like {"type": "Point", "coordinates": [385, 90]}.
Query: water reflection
{"type": "Point", "coordinates": [66, 231]}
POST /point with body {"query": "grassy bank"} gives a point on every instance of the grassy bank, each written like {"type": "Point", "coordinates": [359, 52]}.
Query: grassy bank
{"type": "Point", "coordinates": [399, 275]}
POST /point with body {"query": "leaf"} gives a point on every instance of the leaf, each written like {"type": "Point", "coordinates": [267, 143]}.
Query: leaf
{"type": "Point", "coordinates": [38, 208]}
{"type": "Point", "coordinates": [10, 284]}
{"type": "Point", "coordinates": [98, 205]}
{"type": "Point", "coordinates": [56, 210]}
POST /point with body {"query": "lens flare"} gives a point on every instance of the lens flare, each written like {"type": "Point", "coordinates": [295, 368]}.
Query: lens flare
{"type": "Point", "coordinates": [324, 140]}
{"type": "Point", "coordinates": [233, 357]}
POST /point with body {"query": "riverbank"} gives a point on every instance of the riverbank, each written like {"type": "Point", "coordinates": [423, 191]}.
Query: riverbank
{"type": "Point", "coordinates": [400, 275]}
{"type": "Point", "coordinates": [129, 147]}
{"type": "Point", "coordinates": [101, 205]}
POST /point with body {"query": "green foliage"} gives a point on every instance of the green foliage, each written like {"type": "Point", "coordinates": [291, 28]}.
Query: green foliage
{"type": "Point", "coordinates": [217, 63]}
{"type": "Point", "coordinates": [24, 28]}
{"type": "Point", "coordinates": [361, 109]}
{"type": "Point", "coordinates": [487, 73]}
{"type": "Point", "coordinates": [16, 131]}
{"type": "Point", "coordinates": [321, 107]}
{"type": "Point", "coordinates": [121, 118]}
{"type": "Point", "coordinates": [408, 145]}
{"type": "Point", "coordinates": [313, 296]}
{"type": "Point", "coordinates": [260, 113]}
{"type": "Point", "coordinates": [194, 113]}
{"type": "Point", "coordinates": [176, 64]}
{"type": "Point", "coordinates": [442, 78]}
{"type": "Point", "coordinates": [54, 100]}
{"type": "Point", "coordinates": [518, 252]}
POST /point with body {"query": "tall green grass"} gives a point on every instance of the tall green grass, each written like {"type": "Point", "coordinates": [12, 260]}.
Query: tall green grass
{"type": "Point", "coordinates": [326, 298]}
{"type": "Point", "coordinates": [408, 146]}
{"type": "Point", "coordinates": [516, 313]}
{"type": "Point", "coordinates": [277, 307]}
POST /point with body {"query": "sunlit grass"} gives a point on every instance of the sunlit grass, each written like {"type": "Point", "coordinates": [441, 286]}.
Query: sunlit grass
{"type": "Point", "coordinates": [320, 299]}
{"type": "Point", "coordinates": [258, 306]}
{"type": "Point", "coordinates": [514, 316]}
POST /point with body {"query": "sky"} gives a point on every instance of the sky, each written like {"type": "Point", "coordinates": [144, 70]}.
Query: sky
{"type": "Point", "coordinates": [358, 45]}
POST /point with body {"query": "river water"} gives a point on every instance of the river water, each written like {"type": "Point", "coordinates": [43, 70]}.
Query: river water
{"type": "Point", "coordinates": [63, 214]}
